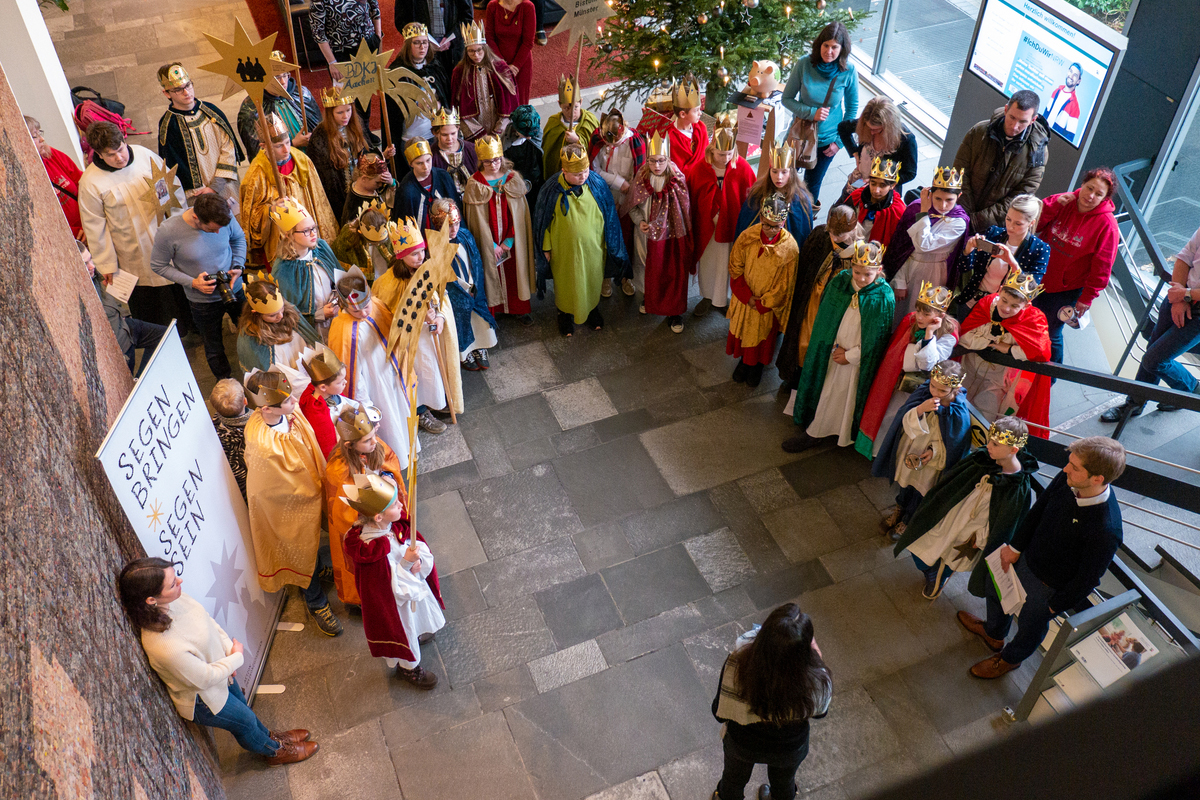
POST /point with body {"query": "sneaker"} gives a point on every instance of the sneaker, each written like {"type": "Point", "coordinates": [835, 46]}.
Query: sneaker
{"type": "Point", "coordinates": [327, 623]}
{"type": "Point", "coordinates": [896, 532]}
{"type": "Point", "coordinates": [606, 288]}
{"type": "Point", "coordinates": [418, 676]}
{"type": "Point", "coordinates": [1114, 413]}
{"type": "Point", "coordinates": [541, 38]}
{"type": "Point", "coordinates": [481, 358]}
{"type": "Point", "coordinates": [526, 319]}
{"type": "Point", "coordinates": [703, 307]}
{"type": "Point", "coordinates": [325, 574]}
{"type": "Point", "coordinates": [627, 287]}
{"type": "Point", "coordinates": [642, 308]}
{"type": "Point", "coordinates": [431, 424]}
{"type": "Point", "coordinates": [470, 363]}
{"type": "Point", "coordinates": [293, 753]}
{"type": "Point", "coordinates": [676, 324]}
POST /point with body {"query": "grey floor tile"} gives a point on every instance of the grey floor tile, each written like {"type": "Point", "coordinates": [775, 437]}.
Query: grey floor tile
{"type": "Point", "coordinates": [644, 787]}
{"type": "Point", "coordinates": [710, 366]}
{"type": "Point", "coordinates": [504, 688]}
{"type": "Point", "coordinates": [554, 769]}
{"type": "Point", "coordinates": [528, 454]}
{"type": "Point", "coordinates": [523, 419]}
{"type": "Point", "coordinates": [819, 471]}
{"type": "Point", "coordinates": [645, 382]}
{"type": "Point", "coordinates": [442, 450]}
{"type": "Point", "coordinates": [353, 763]}
{"type": "Point", "coordinates": [855, 515]}
{"type": "Point", "coordinates": [260, 783]}
{"type": "Point", "coordinates": [916, 732]}
{"type": "Point", "coordinates": [456, 763]}
{"type": "Point", "coordinates": [684, 404]}
{"type": "Point", "coordinates": [493, 641]}
{"type": "Point", "coordinates": [767, 491]}
{"type": "Point", "coordinates": [518, 511]}
{"type": "Point", "coordinates": [934, 623]}
{"type": "Point", "coordinates": [728, 605]}
{"type": "Point", "coordinates": [571, 664]}
{"type": "Point", "coordinates": [447, 479]}
{"type": "Point", "coordinates": [873, 778]}
{"type": "Point", "coordinates": [709, 650]}
{"type": "Point", "coordinates": [575, 440]}
{"type": "Point", "coordinates": [879, 491]}
{"type": "Point", "coordinates": [653, 583]}
{"type": "Point", "coordinates": [476, 394]}
{"type": "Point", "coordinates": [506, 579]}
{"type": "Point", "coordinates": [582, 356]}
{"type": "Point", "coordinates": [769, 590]}
{"type": "Point", "coordinates": [611, 481]}
{"type": "Point", "coordinates": [720, 559]}
{"type": "Point", "coordinates": [364, 688]}
{"type": "Point", "coordinates": [460, 592]}
{"type": "Point", "coordinates": [484, 440]}
{"type": "Point", "coordinates": [521, 370]}
{"type": "Point", "coordinates": [624, 644]}
{"type": "Point", "coordinates": [445, 524]}
{"type": "Point", "coordinates": [671, 522]}
{"type": "Point", "coordinates": [854, 735]}
{"type": "Point", "coordinates": [754, 537]}
{"type": "Point", "coordinates": [980, 733]}
{"type": "Point", "coordinates": [951, 696]}
{"type": "Point", "coordinates": [695, 776]}
{"type": "Point", "coordinates": [624, 424]}
{"type": "Point", "coordinates": [602, 546]}
{"type": "Point", "coordinates": [578, 610]}
{"type": "Point", "coordinates": [441, 711]}
{"type": "Point", "coordinates": [579, 403]}
{"type": "Point", "coordinates": [805, 531]}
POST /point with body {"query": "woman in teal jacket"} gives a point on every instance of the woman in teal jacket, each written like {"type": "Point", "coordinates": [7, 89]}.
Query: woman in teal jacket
{"type": "Point", "coordinates": [805, 93]}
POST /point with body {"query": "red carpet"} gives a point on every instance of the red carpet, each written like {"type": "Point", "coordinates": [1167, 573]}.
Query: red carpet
{"type": "Point", "coordinates": [548, 62]}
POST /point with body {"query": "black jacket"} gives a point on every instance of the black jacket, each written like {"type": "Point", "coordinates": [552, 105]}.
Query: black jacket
{"type": "Point", "coordinates": [455, 13]}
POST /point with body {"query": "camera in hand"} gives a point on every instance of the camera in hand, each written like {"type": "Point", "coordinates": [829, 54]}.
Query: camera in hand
{"type": "Point", "coordinates": [224, 285]}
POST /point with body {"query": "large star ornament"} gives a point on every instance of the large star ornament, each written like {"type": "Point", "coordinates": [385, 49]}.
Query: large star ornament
{"type": "Point", "coordinates": [582, 19]}
{"type": "Point", "coordinates": [160, 197]}
{"type": "Point", "coordinates": [362, 74]}
{"type": "Point", "coordinates": [225, 580]}
{"type": "Point", "coordinates": [432, 276]}
{"type": "Point", "coordinates": [248, 65]}
{"type": "Point", "coordinates": [410, 91]}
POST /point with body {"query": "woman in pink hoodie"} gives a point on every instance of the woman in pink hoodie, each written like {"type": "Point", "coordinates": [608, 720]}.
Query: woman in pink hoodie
{"type": "Point", "coordinates": [1081, 229]}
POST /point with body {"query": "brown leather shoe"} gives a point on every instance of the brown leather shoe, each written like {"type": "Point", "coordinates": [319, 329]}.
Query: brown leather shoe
{"type": "Point", "coordinates": [975, 625]}
{"type": "Point", "coordinates": [418, 677]}
{"type": "Point", "coordinates": [891, 520]}
{"type": "Point", "coordinates": [295, 736]}
{"type": "Point", "coordinates": [992, 667]}
{"type": "Point", "coordinates": [293, 753]}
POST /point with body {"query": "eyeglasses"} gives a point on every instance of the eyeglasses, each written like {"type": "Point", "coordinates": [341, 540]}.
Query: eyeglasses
{"type": "Point", "coordinates": [180, 89]}
{"type": "Point", "coordinates": [306, 231]}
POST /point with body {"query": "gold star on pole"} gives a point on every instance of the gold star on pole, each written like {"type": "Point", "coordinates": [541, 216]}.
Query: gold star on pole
{"type": "Point", "coordinates": [160, 191]}
{"type": "Point", "coordinates": [582, 19]}
{"type": "Point", "coordinates": [410, 91]}
{"type": "Point", "coordinates": [248, 64]}
{"type": "Point", "coordinates": [155, 515]}
{"type": "Point", "coordinates": [362, 73]}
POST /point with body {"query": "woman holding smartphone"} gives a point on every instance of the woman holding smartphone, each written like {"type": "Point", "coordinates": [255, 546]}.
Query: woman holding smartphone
{"type": "Point", "coordinates": [987, 258]}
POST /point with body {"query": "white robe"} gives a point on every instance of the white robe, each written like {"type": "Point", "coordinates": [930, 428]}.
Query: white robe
{"type": "Point", "coordinates": [120, 225]}
{"type": "Point", "coordinates": [485, 337]}
{"type": "Point", "coordinates": [377, 381]}
{"type": "Point", "coordinates": [992, 388]}
{"type": "Point", "coordinates": [966, 522]}
{"type": "Point", "coordinates": [921, 432]}
{"type": "Point", "coordinates": [916, 359]}
{"type": "Point", "coordinates": [932, 243]}
{"type": "Point", "coordinates": [712, 271]}
{"type": "Point", "coordinates": [835, 409]}
{"type": "Point", "coordinates": [419, 610]}
{"type": "Point", "coordinates": [289, 352]}
{"type": "Point", "coordinates": [615, 164]}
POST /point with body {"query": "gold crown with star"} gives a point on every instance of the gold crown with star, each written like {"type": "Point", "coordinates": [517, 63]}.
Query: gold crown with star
{"type": "Point", "coordinates": [443, 116]}
{"type": "Point", "coordinates": [473, 33]}
{"type": "Point", "coordinates": [321, 364]}
{"type": "Point", "coordinates": [658, 145]}
{"type": "Point", "coordinates": [176, 77]}
{"type": "Point", "coordinates": [273, 304]}
{"type": "Point", "coordinates": [1004, 437]}
{"type": "Point", "coordinates": [774, 209]}
{"type": "Point", "coordinates": [414, 29]}
{"type": "Point", "coordinates": [287, 213]}
{"type": "Point", "coordinates": [568, 92]}
{"type": "Point", "coordinates": [370, 494]}
{"type": "Point", "coordinates": [951, 382]}
{"type": "Point", "coordinates": [782, 156]}
{"type": "Point", "coordinates": [406, 237]}
{"type": "Point", "coordinates": [375, 233]}
{"type": "Point", "coordinates": [868, 254]}
{"type": "Point", "coordinates": [489, 147]}
{"type": "Point", "coordinates": [332, 97]}
{"type": "Point", "coordinates": [416, 149]}
{"type": "Point", "coordinates": [573, 158]}
{"type": "Point", "coordinates": [357, 421]}
{"type": "Point", "coordinates": [685, 94]}
{"type": "Point", "coordinates": [885, 170]}
{"type": "Point", "coordinates": [271, 388]}
{"type": "Point", "coordinates": [948, 178]}
{"type": "Point", "coordinates": [1023, 284]}
{"type": "Point", "coordinates": [936, 297]}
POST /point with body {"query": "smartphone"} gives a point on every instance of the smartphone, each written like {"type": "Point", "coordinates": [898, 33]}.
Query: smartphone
{"type": "Point", "coordinates": [983, 245]}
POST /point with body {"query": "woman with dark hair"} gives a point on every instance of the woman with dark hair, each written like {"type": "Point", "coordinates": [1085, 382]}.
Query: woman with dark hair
{"type": "Point", "coordinates": [510, 33]}
{"type": "Point", "coordinates": [1081, 229]}
{"type": "Point", "coordinates": [878, 133]}
{"type": "Point", "coordinates": [482, 86]}
{"type": "Point", "coordinates": [826, 73]}
{"type": "Point", "coordinates": [772, 684]}
{"type": "Point", "coordinates": [337, 143]}
{"type": "Point", "coordinates": [197, 660]}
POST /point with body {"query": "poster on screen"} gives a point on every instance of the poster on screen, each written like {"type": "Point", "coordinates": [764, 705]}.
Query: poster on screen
{"type": "Point", "coordinates": [168, 470]}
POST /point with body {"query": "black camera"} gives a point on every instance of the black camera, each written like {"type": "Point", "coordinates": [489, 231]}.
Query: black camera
{"type": "Point", "coordinates": [224, 285]}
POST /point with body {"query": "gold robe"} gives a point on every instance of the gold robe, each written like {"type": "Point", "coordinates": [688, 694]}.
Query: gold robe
{"type": "Point", "coordinates": [285, 499]}
{"type": "Point", "coordinates": [258, 190]}
{"type": "Point", "coordinates": [770, 272]}
{"type": "Point", "coordinates": [477, 219]}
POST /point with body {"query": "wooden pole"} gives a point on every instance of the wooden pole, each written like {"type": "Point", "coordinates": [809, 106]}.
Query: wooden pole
{"type": "Point", "coordinates": [387, 128]}
{"type": "Point", "coordinates": [412, 448]}
{"type": "Point", "coordinates": [299, 85]}
{"type": "Point", "coordinates": [264, 137]}
{"type": "Point", "coordinates": [437, 347]}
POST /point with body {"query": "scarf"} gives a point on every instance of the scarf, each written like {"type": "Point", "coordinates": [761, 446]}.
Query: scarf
{"type": "Point", "coordinates": [826, 70]}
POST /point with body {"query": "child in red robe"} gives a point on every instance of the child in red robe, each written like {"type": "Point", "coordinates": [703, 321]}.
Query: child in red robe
{"type": "Point", "coordinates": [878, 204]}
{"type": "Point", "coordinates": [322, 401]}
{"type": "Point", "coordinates": [687, 135]}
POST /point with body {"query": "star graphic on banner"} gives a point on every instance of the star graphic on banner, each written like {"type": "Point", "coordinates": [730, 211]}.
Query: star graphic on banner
{"type": "Point", "coordinates": [161, 186]}
{"type": "Point", "coordinates": [363, 73]}
{"type": "Point", "coordinates": [410, 91]}
{"type": "Point", "coordinates": [967, 549]}
{"type": "Point", "coordinates": [224, 588]}
{"type": "Point", "coordinates": [582, 19]}
{"type": "Point", "coordinates": [247, 64]}
{"type": "Point", "coordinates": [155, 515]}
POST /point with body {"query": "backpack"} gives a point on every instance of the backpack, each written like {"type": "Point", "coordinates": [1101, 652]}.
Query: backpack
{"type": "Point", "coordinates": [100, 109]}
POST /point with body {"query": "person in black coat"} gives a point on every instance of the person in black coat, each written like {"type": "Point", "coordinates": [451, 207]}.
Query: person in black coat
{"type": "Point", "coordinates": [454, 13]}
{"type": "Point", "coordinates": [1060, 553]}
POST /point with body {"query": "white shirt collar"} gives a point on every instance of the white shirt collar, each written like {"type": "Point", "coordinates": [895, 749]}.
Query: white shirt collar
{"type": "Point", "coordinates": [1093, 501]}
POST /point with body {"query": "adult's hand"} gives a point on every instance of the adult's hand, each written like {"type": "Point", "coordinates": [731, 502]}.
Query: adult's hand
{"type": "Point", "coordinates": [1005, 254]}
{"type": "Point", "coordinates": [203, 283]}
{"type": "Point", "coordinates": [1063, 199]}
{"type": "Point", "coordinates": [1176, 292]}
{"type": "Point", "coordinates": [334, 72]}
{"type": "Point", "coordinates": [330, 310]}
{"type": "Point", "coordinates": [832, 150]}
{"type": "Point", "coordinates": [1181, 312]}
{"type": "Point", "coordinates": [822, 114]}
{"type": "Point", "coordinates": [1008, 557]}
{"type": "Point", "coordinates": [901, 294]}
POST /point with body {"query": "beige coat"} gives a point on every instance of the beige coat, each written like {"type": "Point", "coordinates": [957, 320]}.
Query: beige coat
{"type": "Point", "coordinates": [475, 207]}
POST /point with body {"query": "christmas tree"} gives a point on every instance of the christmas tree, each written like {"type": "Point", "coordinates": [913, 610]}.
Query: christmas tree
{"type": "Point", "coordinates": [648, 41]}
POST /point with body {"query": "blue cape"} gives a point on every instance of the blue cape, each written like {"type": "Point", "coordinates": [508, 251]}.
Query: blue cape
{"type": "Point", "coordinates": [463, 303]}
{"type": "Point", "coordinates": [954, 421]}
{"type": "Point", "coordinates": [413, 200]}
{"type": "Point", "coordinates": [295, 278]}
{"type": "Point", "coordinates": [543, 214]}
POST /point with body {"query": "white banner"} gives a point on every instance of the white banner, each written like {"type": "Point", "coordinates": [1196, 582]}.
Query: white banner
{"type": "Point", "coordinates": [168, 469]}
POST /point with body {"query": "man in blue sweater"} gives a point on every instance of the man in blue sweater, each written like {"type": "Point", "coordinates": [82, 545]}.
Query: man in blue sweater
{"type": "Point", "coordinates": [1060, 553]}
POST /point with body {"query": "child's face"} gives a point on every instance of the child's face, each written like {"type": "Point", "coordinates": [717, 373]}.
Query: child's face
{"type": "Point", "coordinates": [864, 276]}
{"type": "Point", "coordinates": [721, 158]}
{"type": "Point", "coordinates": [287, 406]}
{"type": "Point", "coordinates": [492, 168]}
{"type": "Point", "coordinates": [367, 444]}
{"type": "Point", "coordinates": [357, 313]}
{"type": "Point", "coordinates": [943, 201]}
{"type": "Point", "coordinates": [271, 319]}
{"type": "Point", "coordinates": [926, 317]}
{"type": "Point", "coordinates": [422, 167]}
{"type": "Point", "coordinates": [335, 386]}
{"type": "Point", "coordinates": [447, 138]}
{"type": "Point", "coordinates": [416, 258]}
{"type": "Point", "coordinates": [689, 117]}
{"type": "Point", "coordinates": [1000, 452]}
{"type": "Point", "coordinates": [941, 392]}
{"type": "Point", "coordinates": [1009, 305]}
{"type": "Point", "coordinates": [391, 514]}
{"type": "Point", "coordinates": [342, 115]}
{"type": "Point", "coordinates": [577, 178]}
{"type": "Point", "coordinates": [305, 234]}
{"type": "Point", "coordinates": [658, 164]}
{"type": "Point", "coordinates": [842, 240]}
{"type": "Point", "coordinates": [780, 176]}
{"type": "Point", "coordinates": [571, 111]}
{"type": "Point", "coordinates": [475, 53]}
{"type": "Point", "coordinates": [880, 189]}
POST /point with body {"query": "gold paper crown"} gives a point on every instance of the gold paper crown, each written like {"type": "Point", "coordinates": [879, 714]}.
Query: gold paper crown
{"type": "Point", "coordinates": [567, 91]}
{"type": "Point", "coordinates": [357, 421]}
{"type": "Point", "coordinates": [1022, 283]}
{"type": "Point", "coordinates": [356, 299]}
{"type": "Point", "coordinates": [472, 33]}
{"type": "Point", "coordinates": [1007, 438]}
{"type": "Point", "coordinates": [951, 382]}
{"type": "Point", "coordinates": [774, 209]}
{"type": "Point", "coordinates": [868, 254]}
{"type": "Point", "coordinates": [417, 149]}
{"type": "Point", "coordinates": [370, 494]}
{"type": "Point", "coordinates": [685, 94]}
{"type": "Point", "coordinates": [414, 29]}
{"type": "Point", "coordinates": [287, 213]}
{"type": "Point", "coordinates": [332, 97]}
{"type": "Point", "coordinates": [576, 164]}
{"type": "Point", "coordinates": [612, 126]}
{"type": "Point", "coordinates": [936, 297]}
{"type": "Point", "coordinates": [885, 170]}
{"type": "Point", "coordinates": [489, 147]}
{"type": "Point", "coordinates": [274, 387]}
{"type": "Point", "coordinates": [406, 237]}
{"type": "Point", "coordinates": [274, 302]}
{"type": "Point", "coordinates": [658, 145]}
{"type": "Point", "coordinates": [276, 129]}
{"type": "Point", "coordinates": [948, 178]}
{"type": "Point", "coordinates": [782, 156]}
{"type": "Point", "coordinates": [277, 55]}
{"type": "Point", "coordinates": [321, 364]}
{"type": "Point", "coordinates": [175, 78]}
{"type": "Point", "coordinates": [725, 136]}
{"type": "Point", "coordinates": [443, 116]}
{"type": "Point", "coordinates": [374, 233]}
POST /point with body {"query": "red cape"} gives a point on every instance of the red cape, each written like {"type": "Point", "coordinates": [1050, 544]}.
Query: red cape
{"type": "Point", "coordinates": [885, 220]}
{"type": "Point", "coordinates": [725, 203]}
{"type": "Point", "coordinates": [1031, 333]}
{"type": "Point", "coordinates": [687, 151]}
{"type": "Point", "coordinates": [316, 411]}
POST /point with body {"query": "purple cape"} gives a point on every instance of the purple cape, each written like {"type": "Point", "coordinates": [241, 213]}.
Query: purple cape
{"type": "Point", "coordinates": [901, 246]}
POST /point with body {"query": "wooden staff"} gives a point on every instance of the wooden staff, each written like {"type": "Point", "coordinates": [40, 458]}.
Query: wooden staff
{"type": "Point", "coordinates": [383, 116]}
{"type": "Point", "coordinates": [299, 84]}
{"type": "Point", "coordinates": [264, 135]}
{"type": "Point", "coordinates": [412, 448]}
{"type": "Point", "coordinates": [437, 348]}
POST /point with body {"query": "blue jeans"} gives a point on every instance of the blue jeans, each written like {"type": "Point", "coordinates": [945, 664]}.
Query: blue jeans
{"type": "Point", "coordinates": [237, 718]}
{"type": "Point", "coordinates": [739, 765]}
{"type": "Point", "coordinates": [1032, 623]}
{"type": "Point", "coordinates": [815, 176]}
{"type": "Point", "coordinates": [314, 595]}
{"type": "Point", "coordinates": [146, 336]}
{"type": "Point", "coordinates": [1166, 344]}
{"type": "Point", "coordinates": [209, 319]}
{"type": "Point", "coordinates": [1050, 303]}
{"type": "Point", "coordinates": [931, 570]}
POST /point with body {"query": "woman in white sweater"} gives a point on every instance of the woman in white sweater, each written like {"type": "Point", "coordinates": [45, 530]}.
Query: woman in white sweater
{"type": "Point", "coordinates": [197, 661]}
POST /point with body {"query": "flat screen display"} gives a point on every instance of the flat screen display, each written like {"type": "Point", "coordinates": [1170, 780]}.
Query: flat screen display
{"type": "Point", "coordinates": [1023, 46]}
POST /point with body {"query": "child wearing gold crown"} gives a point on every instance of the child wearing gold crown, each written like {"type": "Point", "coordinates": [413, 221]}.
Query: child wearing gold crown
{"type": "Point", "coordinates": [928, 435]}
{"type": "Point", "coordinates": [271, 330]}
{"type": "Point", "coordinates": [877, 202]}
{"type": "Point", "coordinates": [496, 211]}
{"type": "Point", "coordinates": [928, 240]}
{"type": "Point", "coordinates": [305, 269]}
{"type": "Point", "coordinates": [848, 341]}
{"type": "Point", "coordinates": [617, 152]}
{"type": "Point", "coordinates": [573, 124]}
{"type": "Point", "coordinates": [450, 150]}
{"type": "Point", "coordinates": [482, 86]}
{"type": "Point", "coordinates": [660, 209]}
{"type": "Point", "coordinates": [1008, 322]}
{"type": "Point", "coordinates": [396, 578]}
{"type": "Point", "coordinates": [718, 186]}
{"type": "Point", "coordinates": [338, 143]}
{"type": "Point", "coordinates": [687, 135]}
{"type": "Point", "coordinates": [923, 338]}
{"type": "Point", "coordinates": [422, 185]}
{"type": "Point", "coordinates": [468, 292]}
{"type": "Point", "coordinates": [322, 401]}
{"type": "Point", "coordinates": [363, 241]}
{"type": "Point", "coordinates": [196, 137]}
{"type": "Point", "coordinates": [976, 506]}
{"type": "Point", "coordinates": [284, 495]}
{"type": "Point", "coordinates": [780, 177]}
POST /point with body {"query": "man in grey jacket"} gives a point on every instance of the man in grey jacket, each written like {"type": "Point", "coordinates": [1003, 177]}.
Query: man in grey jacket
{"type": "Point", "coordinates": [132, 334]}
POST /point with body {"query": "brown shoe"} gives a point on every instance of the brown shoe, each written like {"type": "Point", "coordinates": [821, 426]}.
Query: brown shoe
{"type": "Point", "coordinates": [418, 677]}
{"type": "Point", "coordinates": [895, 533]}
{"type": "Point", "coordinates": [291, 737]}
{"type": "Point", "coordinates": [293, 753]}
{"type": "Point", "coordinates": [992, 667]}
{"type": "Point", "coordinates": [975, 625]}
{"type": "Point", "coordinates": [889, 522]}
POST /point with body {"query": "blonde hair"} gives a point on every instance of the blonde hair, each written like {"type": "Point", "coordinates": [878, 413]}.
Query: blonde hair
{"type": "Point", "coordinates": [228, 398]}
{"type": "Point", "coordinates": [881, 111]}
{"type": "Point", "coordinates": [1030, 206]}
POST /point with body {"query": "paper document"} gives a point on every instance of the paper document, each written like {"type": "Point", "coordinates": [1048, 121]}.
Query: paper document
{"type": "Point", "coordinates": [1077, 685]}
{"type": "Point", "coordinates": [1111, 652]}
{"type": "Point", "coordinates": [1008, 585]}
{"type": "Point", "coordinates": [122, 285]}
